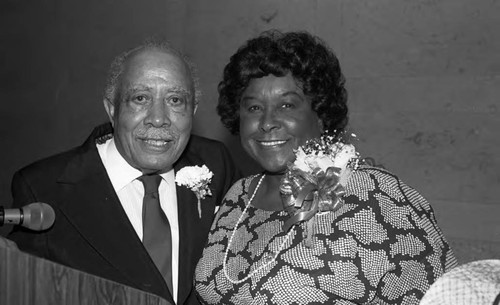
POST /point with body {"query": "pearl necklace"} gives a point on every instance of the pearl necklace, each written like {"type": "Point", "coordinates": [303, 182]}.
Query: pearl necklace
{"type": "Point", "coordinates": [271, 256]}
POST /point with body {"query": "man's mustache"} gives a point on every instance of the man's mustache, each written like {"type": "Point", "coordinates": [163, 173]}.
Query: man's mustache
{"type": "Point", "coordinates": [156, 133]}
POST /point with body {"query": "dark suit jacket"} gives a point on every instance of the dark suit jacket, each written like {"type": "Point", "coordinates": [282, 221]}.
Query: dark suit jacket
{"type": "Point", "coordinates": [92, 233]}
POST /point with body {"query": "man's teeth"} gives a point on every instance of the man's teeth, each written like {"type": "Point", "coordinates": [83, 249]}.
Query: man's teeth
{"type": "Point", "coordinates": [272, 143]}
{"type": "Point", "coordinates": [156, 142]}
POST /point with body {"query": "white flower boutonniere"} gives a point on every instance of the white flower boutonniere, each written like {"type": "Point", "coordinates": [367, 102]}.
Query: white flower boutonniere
{"type": "Point", "coordinates": [196, 178]}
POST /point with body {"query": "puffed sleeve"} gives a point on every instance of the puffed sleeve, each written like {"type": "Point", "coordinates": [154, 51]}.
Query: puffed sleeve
{"type": "Point", "coordinates": [418, 251]}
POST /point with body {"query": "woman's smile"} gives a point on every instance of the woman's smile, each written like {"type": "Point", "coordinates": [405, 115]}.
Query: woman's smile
{"type": "Point", "coordinates": [269, 144]}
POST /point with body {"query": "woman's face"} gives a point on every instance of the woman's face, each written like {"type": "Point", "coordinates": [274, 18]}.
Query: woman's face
{"type": "Point", "coordinates": [275, 118]}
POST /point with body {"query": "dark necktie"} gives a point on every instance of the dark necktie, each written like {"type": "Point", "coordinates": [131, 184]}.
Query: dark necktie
{"type": "Point", "coordinates": [156, 228]}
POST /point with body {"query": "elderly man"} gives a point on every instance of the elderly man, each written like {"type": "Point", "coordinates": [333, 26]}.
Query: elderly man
{"type": "Point", "coordinates": [119, 213]}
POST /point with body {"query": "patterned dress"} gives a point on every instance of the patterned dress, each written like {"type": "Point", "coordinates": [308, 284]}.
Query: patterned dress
{"type": "Point", "coordinates": [383, 246]}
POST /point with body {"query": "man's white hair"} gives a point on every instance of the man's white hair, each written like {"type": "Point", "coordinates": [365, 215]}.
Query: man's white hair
{"type": "Point", "coordinates": [118, 65]}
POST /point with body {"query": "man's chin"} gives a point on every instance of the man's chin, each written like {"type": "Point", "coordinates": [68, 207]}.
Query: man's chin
{"type": "Point", "coordinates": [155, 166]}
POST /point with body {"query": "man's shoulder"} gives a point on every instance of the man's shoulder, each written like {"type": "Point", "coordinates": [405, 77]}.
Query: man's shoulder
{"type": "Point", "coordinates": [57, 162]}
{"type": "Point", "coordinates": [199, 145]}
{"type": "Point", "coordinates": [51, 163]}
{"type": "Point", "coordinates": [213, 153]}
{"type": "Point", "coordinates": [197, 141]}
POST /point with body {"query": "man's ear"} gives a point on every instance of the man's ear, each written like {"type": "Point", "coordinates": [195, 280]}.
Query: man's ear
{"type": "Point", "coordinates": [195, 108]}
{"type": "Point", "coordinates": [110, 110]}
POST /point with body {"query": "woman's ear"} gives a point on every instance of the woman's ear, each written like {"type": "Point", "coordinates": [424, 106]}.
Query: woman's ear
{"type": "Point", "coordinates": [321, 126]}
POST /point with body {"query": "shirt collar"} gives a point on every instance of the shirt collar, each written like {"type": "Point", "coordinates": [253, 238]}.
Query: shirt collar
{"type": "Point", "coordinates": [119, 171]}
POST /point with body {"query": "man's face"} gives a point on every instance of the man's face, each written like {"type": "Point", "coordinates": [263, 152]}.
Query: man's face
{"type": "Point", "coordinates": [153, 110]}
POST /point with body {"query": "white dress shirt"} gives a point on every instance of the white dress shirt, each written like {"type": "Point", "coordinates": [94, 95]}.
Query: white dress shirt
{"type": "Point", "coordinates": [130, 191]}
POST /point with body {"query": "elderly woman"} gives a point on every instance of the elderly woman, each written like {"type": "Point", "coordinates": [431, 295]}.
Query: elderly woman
{"type": "Point", "coordinates": [345, 234]}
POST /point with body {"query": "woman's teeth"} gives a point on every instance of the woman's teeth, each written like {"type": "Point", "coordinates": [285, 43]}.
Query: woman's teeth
{"type": "Point", "coordinates": [272, 143]}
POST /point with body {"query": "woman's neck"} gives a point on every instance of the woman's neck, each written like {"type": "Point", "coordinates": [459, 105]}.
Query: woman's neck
{"type": "Point", "coordinates": [268, 195]}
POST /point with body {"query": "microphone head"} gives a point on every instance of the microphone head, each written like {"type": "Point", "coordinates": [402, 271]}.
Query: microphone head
{"type": "Point", "coordinates": [38, 216]}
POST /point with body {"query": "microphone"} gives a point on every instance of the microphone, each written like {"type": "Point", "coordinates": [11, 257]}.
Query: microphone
{"type": "Point", "coordinates": [35, 216]}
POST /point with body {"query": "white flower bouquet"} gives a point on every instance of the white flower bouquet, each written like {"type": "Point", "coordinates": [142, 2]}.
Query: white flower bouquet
{"type": "Point", "coordinates": [315, 181]}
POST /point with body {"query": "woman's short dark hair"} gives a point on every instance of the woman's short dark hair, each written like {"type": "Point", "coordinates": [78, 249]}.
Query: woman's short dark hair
{"type": "Point", "coordinates": [309, 60]}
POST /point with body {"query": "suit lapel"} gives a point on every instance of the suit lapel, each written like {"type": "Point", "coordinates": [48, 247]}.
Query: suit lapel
{"type": "Point", "coordinates": [97, 214]}
{"type": "Point", "coordinates": [185, 201]}
{"type": "Point", "coordinates": [192, 230]}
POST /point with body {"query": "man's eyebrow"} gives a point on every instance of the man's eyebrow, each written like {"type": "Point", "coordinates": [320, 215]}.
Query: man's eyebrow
{"type": "Point", "coordinates": [138, 88]}
{"type": "Point", "coordinates": [179, 90]}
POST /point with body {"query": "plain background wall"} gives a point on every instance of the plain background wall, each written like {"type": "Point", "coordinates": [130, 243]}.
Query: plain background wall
{"type": "Point", "coordinates": [423, 79]}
